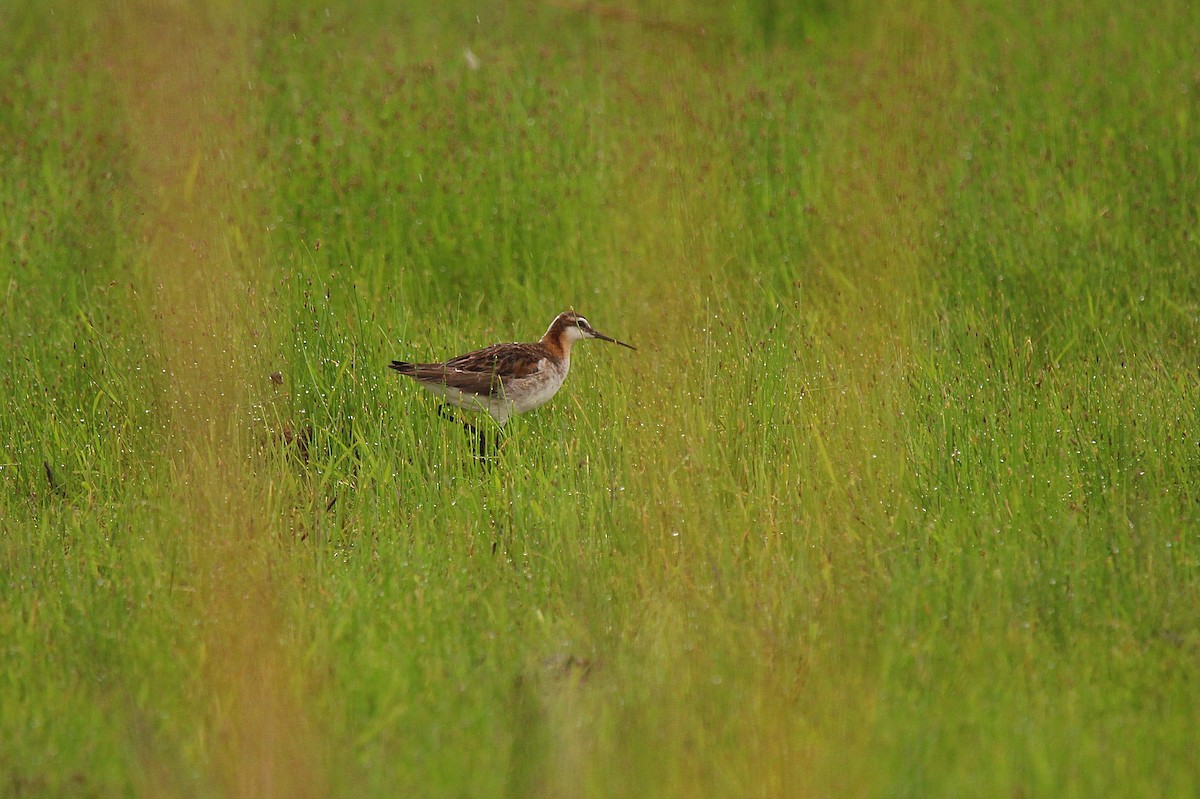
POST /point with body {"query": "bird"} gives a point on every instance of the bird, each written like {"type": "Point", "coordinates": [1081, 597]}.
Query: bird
{"type": "Point", "coordinates": [507, 379]}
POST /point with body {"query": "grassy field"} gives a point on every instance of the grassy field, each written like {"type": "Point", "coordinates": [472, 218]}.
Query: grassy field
{"type": "Point", "coordinates": [899, 497]}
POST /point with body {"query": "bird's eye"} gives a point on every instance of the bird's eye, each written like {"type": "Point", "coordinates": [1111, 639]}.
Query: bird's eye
{"type": "Point", "coordinates": [583, 323]}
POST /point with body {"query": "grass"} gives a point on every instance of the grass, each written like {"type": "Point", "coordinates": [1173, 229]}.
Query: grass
{"type": "Point", "coordinates": [899, 497]}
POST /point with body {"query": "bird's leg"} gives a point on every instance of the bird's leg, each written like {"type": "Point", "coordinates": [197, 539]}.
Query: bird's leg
{"type": "Point", "coordinates": [486, 441]}
{"type": "Point", "coordinates": [444, 411]}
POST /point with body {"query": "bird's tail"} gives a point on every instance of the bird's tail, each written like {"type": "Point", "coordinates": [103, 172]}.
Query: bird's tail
{"type": "Point", "coordinates": [404, 367]}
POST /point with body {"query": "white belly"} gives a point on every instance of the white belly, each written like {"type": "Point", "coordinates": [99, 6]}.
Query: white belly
{"type": "Point", "coordinates": [520, 395]}
{"type": "Point", "coordinates": [463, 399]}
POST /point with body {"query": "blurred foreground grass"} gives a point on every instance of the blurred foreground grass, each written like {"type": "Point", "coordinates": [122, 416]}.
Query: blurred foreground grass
{"type": "Point", "coordinates": [898, 497]}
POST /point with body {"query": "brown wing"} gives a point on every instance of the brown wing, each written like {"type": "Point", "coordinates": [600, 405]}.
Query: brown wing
{"type": "Point", "coordinates": [481, 383]}
{"type": "Point", "coordinates": [484, 372]}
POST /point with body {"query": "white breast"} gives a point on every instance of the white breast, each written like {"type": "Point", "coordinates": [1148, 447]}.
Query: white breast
{"type": "Point", "coordinates": [536, 390]}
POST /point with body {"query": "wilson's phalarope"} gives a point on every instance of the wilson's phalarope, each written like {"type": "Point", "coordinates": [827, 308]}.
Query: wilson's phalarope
{"type": "Point", "coordinates": [506, 379]}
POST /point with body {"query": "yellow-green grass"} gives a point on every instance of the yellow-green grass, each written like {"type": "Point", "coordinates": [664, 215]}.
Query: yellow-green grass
{"type": "Point", "coordinates": [900, 495]}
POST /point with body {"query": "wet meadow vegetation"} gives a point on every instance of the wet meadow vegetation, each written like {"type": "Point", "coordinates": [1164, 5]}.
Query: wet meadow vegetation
{"type": "Point", "coordinates": [900, 495]}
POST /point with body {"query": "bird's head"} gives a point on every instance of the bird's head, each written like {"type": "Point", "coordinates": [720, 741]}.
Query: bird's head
{"type": "Point", "coordinates": [570, 327]}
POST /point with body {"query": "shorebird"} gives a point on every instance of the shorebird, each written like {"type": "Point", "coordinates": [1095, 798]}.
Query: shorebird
{"type": "Point", "coordinates": [507, 379]}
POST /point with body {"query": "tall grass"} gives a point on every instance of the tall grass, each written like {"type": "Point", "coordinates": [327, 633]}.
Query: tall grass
{"type": "Point", "coordinates": [899, 495]}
